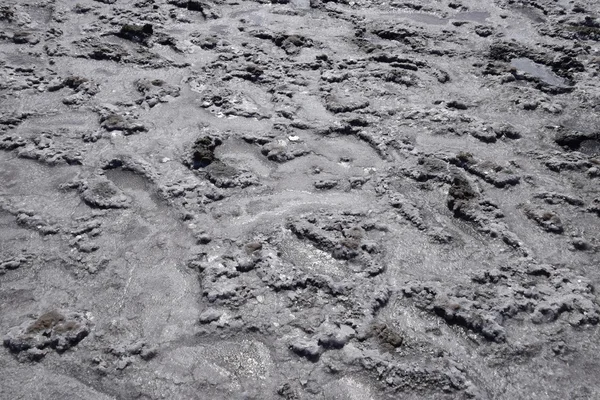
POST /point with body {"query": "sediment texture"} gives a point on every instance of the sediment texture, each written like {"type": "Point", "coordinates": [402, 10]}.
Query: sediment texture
{"type": "Point", "coordinates": [303, 199]}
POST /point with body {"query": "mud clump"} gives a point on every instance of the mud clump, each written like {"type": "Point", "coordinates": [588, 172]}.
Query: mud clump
{"type": "Point", "coordinates": [52, 330]}
{"type": "Point", "coordinates": [341, 102]}
{"type": "Point", "coordinates": [489, 171]}
{"type": "Point", "coordinates": [156, 91]}
{"type": "Point", "coordinates": [100, 192]}
{"type": "Point", "coordinates": [15, 262]}
{"type": "Point", "coordinates": [388, 336]}
{"type": "Point", "coordinates": [115, 122]}
{"type": "Point", "coordinates": [472, 309]}
{"type": "Point", "coordinates": [460, 196]}
{"type": "Point", "coordinates": [310, 350]}
{"type": "Point", "coordinates": [202, 152]}
{"type": "Point", "coordinates": [202, 159]}
{"type": "Point", "coordinates": [547, 220]}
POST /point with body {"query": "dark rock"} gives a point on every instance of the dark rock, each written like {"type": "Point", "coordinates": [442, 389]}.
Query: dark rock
{"type": "Point", "coordinates": [568, 162]}
{"type": "Point", "coordinates": [276, 151]}
{"type": "Point", "coordinates": [458, 105]}
{"type": "Point", "coordinates": [31, 220]}
{"type": "Point", "coordinates": [136, 33]}
{"type": "Point", "coordinates": [308, 349]}
{"type": "Point", "coordinates": [221, 174]}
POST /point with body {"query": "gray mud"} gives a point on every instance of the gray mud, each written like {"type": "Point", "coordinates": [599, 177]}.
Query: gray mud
{"type": "Point", "coordinates": [303, 199]}
{"type": "Point", "coordinates": [544, 73]}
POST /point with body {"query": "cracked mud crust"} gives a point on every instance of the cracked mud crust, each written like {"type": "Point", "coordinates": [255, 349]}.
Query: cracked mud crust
{"type": "Point", "coordinates": [299, 199]}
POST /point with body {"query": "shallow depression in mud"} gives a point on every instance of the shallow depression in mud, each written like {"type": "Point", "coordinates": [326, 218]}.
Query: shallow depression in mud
{"type": "Point", "coordinates": [137, 185]}
{"type": "Point", "coordinates": [538, 70]}
{"type": "Point", "coordinates": [473, 16]}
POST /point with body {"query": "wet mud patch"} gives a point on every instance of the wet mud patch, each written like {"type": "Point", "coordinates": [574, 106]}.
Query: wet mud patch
{"type": "Point", "coordinates": [539, 71]}
{"type": "Point", "coordinates": [138, 187]}
{"type": "Point", "coordinates": [30, 181]}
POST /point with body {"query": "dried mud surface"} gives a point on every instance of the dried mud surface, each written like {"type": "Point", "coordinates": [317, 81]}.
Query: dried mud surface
{"type": "Point", "coordinates": [303, 199]}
